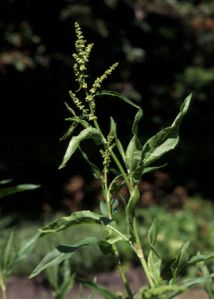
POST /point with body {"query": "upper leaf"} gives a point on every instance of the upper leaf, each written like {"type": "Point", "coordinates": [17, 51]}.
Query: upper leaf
{"type": "Point", "coordinates": [117, 95]}
{"type": "Point", "coordinates": [84, 216]}
{"type": "Point", "coordinates": [88, 133]}
{"type": "Point", "coordinates": [166, 139]}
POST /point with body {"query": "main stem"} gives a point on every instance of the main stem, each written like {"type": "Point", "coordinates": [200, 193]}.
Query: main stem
{"type": "Point", "coordinates": [3, 288]}
{"type": "Point", "coordinates": [114, 247]}
{"type": "Point", "coordinates": [137, 247]}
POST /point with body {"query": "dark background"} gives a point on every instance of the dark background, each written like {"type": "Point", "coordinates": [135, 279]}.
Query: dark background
{"type": "Point", "coordinates": [165, 50]}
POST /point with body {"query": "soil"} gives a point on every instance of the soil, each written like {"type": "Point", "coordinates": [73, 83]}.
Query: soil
{"type": "Point", "coordinates": [24, 288]}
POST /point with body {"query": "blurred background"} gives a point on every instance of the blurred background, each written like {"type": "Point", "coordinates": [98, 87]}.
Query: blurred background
{"type": "Point", "coordinates": [165, 50]}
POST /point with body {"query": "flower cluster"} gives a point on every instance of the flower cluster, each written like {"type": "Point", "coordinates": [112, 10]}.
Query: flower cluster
{"type": "Point", "coordinates": [81, 58]}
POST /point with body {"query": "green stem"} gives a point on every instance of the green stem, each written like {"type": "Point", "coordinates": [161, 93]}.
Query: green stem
{"type": "Point", "coordinates": [139, 251]}
{"type": "Point", "coordinates": [120, 167]}
{"type": "Point", "coordinates": [122, 273]}
{"type": "Point", "coordinates": [3, 287]}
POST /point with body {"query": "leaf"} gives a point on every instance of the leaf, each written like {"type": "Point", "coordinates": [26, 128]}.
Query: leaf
{"type": "Point", "coordinates": [134, 155]}
{"type": "Point", "coordinates": [121, 149]}
{"type": "Point", "coordinates": [200, 258]}
{"type": "Point", "coordinates": [165, 140]}
{"type": "Point", "coordinates": [67, 283]}
{"type": "Point", "coordinates": [28, 246]}
{"type": "Point", "coordinates": [118, 96]}
{"type": "Point", "coordinates": [181, 260]}
{"type": "Point", "coordinates": [69, 132]}
{"type": "Point", "coordinates": [130, 208]}
{"type": "Point", "coordinates": [94, 168]}
{"type": "Point", "coordinates": [8, 255]}
{"type": "Point", "coordinates": [114, 205]}
{"type": "Point", "coordinates": [84, 216]}
{"type": "Point", "coordinates": [53, 258]}
{"type": "Point", "coordinates": [88, 133]}
{"type": "Point", "coordinates": [70, 109]}
{"type": "Point", "coordinates": [208, 285]}
{"type": "Point", "coordinates": [152, 233]}
{"type": "Point", "coordinates": [137, 119]}
{"type": "Point", "coordinates": [106, 293]}
{"type": "Point", "coordinates": [103, 208]}
{"type": "Point", "coordinates": [161, 292]}
{"type": "Point", "coordinates": [154, 265]}
{"type": "Point", "coordinates": [16, 189]}
{"type": "Point", "coordinates": [152, 237]}
{"type": "Point", "coordinates": [5, 181]}
{"type": "Point", "coordinates": [113, 127]}
{"type": "Point", "coordinates": [61, 253]}
{"type": "Point", "coordinates": [151, 169]}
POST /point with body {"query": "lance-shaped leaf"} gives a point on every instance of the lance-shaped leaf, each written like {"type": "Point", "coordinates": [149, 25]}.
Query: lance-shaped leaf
{"type": "Point", "coordinates": [16, 189]}
{"type": "Point", "coordinates": [137, 120]}
{"type": "Point", "coordinates": [84, 216]}
{"type": "Point", "coordinates": [130, 208]}
{"type": "Point", "coordinates": [166, 139]}
{"type": "Point", "coordinates": [181, 260]}
{"type": "Point", "coordinates": [28, 246]}
{"type": "Point", "coordinates": [154, 265]}
{"type": "Point", "coordinates": [117, 96]}
{"type": "Point", "coordinates": [200, 258]}
{"type": "Point", "coordinates": [88, 133]}
{"type": "Point", "coordinates": [62, 253]}
{"type": "Point", "coordinates": [133, 154]}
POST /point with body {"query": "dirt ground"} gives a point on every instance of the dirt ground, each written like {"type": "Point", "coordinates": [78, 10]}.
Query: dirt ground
{"type": "Point", "coordinates": [24, 288]}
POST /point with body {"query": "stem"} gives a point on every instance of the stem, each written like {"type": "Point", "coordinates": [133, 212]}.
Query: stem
{"type": "Point", "coordinates": [120, 167]}
{"type": "Point", "coordinates": [139, 251]}
{"type": "Point", "coordinates": [122, 273]}
{"type": "Point", "coordinates": [114, 247]}
{"type": "Point", "coordinates": [3, 287]}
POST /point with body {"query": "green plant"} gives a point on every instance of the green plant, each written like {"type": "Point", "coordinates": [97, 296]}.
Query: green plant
{"type": "Point", "coordinates": [120, 167]}
{"type": "Point", "coordinates": [9, 254]}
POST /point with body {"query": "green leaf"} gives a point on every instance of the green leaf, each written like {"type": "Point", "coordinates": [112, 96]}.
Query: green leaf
{"type": "Point", "coordinates": [5, 181]}
{"type": "Point", "coordinates": [152, 233]}
{"type": "Point", "coordinates": [130, 208]}
{"type": "Point", "coordinates": [104, 292]}
{"type": "Point", "coordinates": [137, 119]}
{"type": "Point", "coordinates": [134, 155]}
{"type": "Point", "coordinates": [208, 285]}
{"type": "Point", "coordinates": [69, 132]}
{"type": "Point", "coordinates": [72, 248]}
{"type": "Point", "coordinates": [16, 189]}
{"type": "Point", "coordinates": [200, 258]}
{"type": "Point", "coordinates": [88, 133]}
{"type": "Point", "coordinates": [28, 246]}
{"type": "Point", "coordinates": [181, 260]}
{"type": "Point", "coordinates": [154, 265]}
{"type": "Point", "coordinates": [161, 292]}
{"type": "Point", "coordinates": [114, 205]}
{"type": "Point", "coordinates": [84, 216]}
{"type": "Point", "coordinates": [8, 255]}
{"type": "Point", "coordinates": [70, 110]}
{"type": "Point", "coordinates": [61, 253]}
{"type": "Point", "coordinates": [118, 96]}
{"type": "Point", "coordinates": [165, 140]}
{"type": "Point", "coordinates": [94, 168]}
{"type": "Point", "coordinates": [113, 127]}
{"type": "Point", "coordinates": [151, 169]}
{"type": "Point", "coordinates": [53, 258]}
{"type": "Point", "coordinates": [103, 208]}
{"type": "Point", "coordinates": [67, 284]}
{"type": "Point", "coordinates": [121, 149]}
